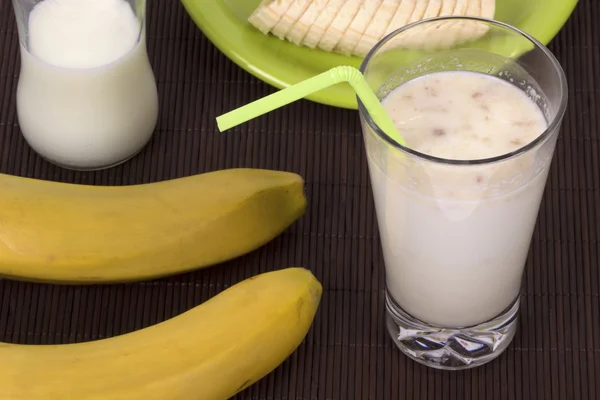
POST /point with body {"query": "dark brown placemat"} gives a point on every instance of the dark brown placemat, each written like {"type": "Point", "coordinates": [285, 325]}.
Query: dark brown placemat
{"type": "Point", "coordinates": [347, 354]}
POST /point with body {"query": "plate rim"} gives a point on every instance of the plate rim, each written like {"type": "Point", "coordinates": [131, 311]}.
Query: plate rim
{"type": "Point", "coordinates": [322, 97]}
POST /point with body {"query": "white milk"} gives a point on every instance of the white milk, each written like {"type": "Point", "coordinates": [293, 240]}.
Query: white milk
{"type": "Point", "coordinates": [455, 239]}
{"type": "Point", "coordinates": [87, 96]}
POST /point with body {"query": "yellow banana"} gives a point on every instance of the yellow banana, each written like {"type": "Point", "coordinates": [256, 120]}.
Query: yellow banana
{"type": "Point", "coordinates": [208, 353]}
{"type": "Point", "coordinates": [70, 233]}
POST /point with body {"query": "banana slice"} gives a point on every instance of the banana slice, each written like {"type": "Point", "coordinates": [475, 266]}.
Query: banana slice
{"type": "Point", "coordinates": [288, 20]}
{"type": "Point", "coordinates": [353, 27]}
{"type": "Point", "coordinates": [340, 24]}
{"type": "Point", "coordinates": [318, 28]}
{"type": "Point", "coordinates": [460, 10]}
{"type": "Point", "coordinates": [363, 18]}
{"type": "Point", "coordinates": [447, 8]}
{"type": "Point", "coordinates": [473, 8]}
{"type": "Point", "coordinates": [450, 31]}
{"type": "Point", "coordinates": [297, 33]}
{"type": "Point", "coordinates": [444, 33]}
{"type": "Point", "coordinates": [418, 11]}
{"type": "Point", "coordinates": [471, 30]}
{"type": "Point", "coordinates": [488, 9]}
{"type": "Point", "coordinates": [377, 27]}
{"type": "Point", "coordinates": [268, 13]}
{"type": "Point", "coordinates": [402, 15]}
{"type": "Point", "coordinates": [423, 34]}
{"type": "Point", "coordinates": [433, 9]}
{"type": "Point", "coordinates": [417, 36]}
{"type": "Point", "coordinates": [435, 31]}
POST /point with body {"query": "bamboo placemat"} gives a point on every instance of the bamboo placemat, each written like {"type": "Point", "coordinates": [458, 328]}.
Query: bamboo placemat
{"type": "Point", "coordinates": [347, 354]}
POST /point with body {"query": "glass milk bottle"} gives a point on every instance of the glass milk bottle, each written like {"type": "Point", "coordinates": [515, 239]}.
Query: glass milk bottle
{"type": "Point", "coordinates": [86, 97]}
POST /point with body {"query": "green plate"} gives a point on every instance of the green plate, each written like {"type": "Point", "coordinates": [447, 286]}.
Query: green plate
{"type": "Point", "coordinates": [283, 64]}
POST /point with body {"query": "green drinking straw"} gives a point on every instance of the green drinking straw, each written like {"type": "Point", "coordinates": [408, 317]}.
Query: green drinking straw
{"type": "Point", "coordinates": [309, 86]}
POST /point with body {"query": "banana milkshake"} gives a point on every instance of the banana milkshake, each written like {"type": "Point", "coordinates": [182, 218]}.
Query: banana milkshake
{"type": "Point", "coordinates": [477, 106]}
{"type": "Point", "coordinates": [454, 241]}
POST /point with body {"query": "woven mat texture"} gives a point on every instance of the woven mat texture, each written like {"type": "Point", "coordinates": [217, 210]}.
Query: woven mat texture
{"type": "Point", "coordinates": [347, 354]}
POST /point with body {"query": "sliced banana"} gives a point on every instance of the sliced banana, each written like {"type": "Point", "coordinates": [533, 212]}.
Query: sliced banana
{"type": "Point", "coordinates": [402, 15]}
{"type": "Point", "coordinates": [446, 33]}
{"type": "Point", "coordinates": [319, 27]}
{"type": "Point", "coordinates": [473, 8]}
{"type": "Point", "coordinates": [377, 28]}
{"type": "Point", "coordinates": [363, 18]}
{"type": "Point", "coordinates": [471, 29]}
{"type": "Point", "coordinates": [437, 31]}
{"type": "Point", "coordinates": [355, 26]}
{"type": "Point", "coordinates": [449, 33]}
{"type": "Point", "coordinates": [340, 24]}
{"type": "Point", "coordinates": [297, 33]}
{"type": "Point", "coordinates": [488, 9]}
{"type": "Point", "coordinates": [433, 9]}
{"type": "Point", "coordinates": [268, 13]}
{"type": "Point", "coordinates": [288, 20]}
{"type": "Point", "coordinates": [447, 8]}
{"type": "Point", "coordinates": [418, 10]}
{"type": "Point", "coordinates": [460, 9]}
{"type": "Point", "coordinates": [424, 34]}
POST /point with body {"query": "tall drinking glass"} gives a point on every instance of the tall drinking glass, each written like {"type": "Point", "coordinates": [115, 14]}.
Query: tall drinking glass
{"type": "Point", "coordinates": [86, 96]}
{"type": "Point", "coordinates": [455, 232]}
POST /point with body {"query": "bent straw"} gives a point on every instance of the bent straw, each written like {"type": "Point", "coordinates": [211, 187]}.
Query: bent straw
{"type": "Point", "coordinates": [309, 86]}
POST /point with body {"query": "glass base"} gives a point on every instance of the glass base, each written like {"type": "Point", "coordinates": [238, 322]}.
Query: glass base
{"type": "Point", "coordinates": [449, 348]}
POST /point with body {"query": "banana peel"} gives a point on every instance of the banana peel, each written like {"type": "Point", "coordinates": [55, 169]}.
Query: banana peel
{"type": "Point", "coordinates": [68, 233]}
{"type": "Point", "coordinates": [210, 352]}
